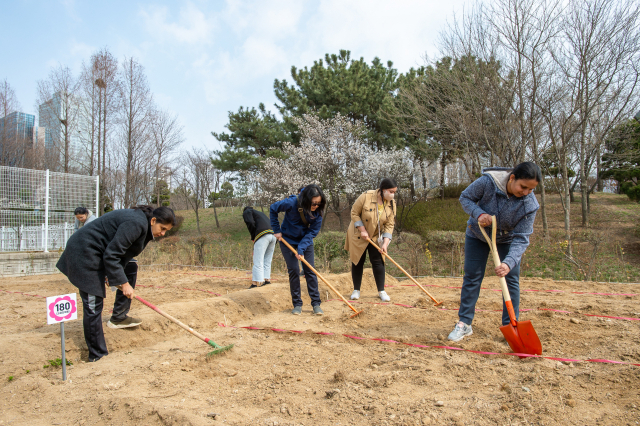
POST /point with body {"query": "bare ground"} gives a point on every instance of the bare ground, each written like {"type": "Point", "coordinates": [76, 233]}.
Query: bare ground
{"type": "Point", "coordinates": [157, 374]}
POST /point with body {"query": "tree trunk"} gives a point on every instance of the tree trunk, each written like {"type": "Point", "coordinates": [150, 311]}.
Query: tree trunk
{"type": "Point", "coordinates": [543, 207]}
{"type": "Point", "coordinates": [443, 167]}
{"type": "Point", "coordinates": [566, 205]}
{"type": "Point", "coordinates": [215, 214]}
{"type": "Point", "coordinates": [599, 186]}
{"type": "Point", "coordinates": [583, 184]}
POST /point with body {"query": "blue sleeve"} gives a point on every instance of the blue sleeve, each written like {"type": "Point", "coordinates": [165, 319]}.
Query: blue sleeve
{"type": "Point", "coordinates": [274, 209]}
{"type": "Point", "coordinates": [474, 193]}
{"type": "Point", "coordinates": [307, 240]}
{"type": "Point", "coordinates": [520, 241]}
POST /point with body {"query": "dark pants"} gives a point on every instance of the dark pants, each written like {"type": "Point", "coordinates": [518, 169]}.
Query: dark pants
{"type": "Point", "coordinates": [476, 253]}
{"type": "Point", "coordinates": [92, 314]}
{"type": "Point", "coordinates": [92, 324]}
{"type": "Point", "coordinates": [294, 275]}
{"type": "Point", "coordinates": [376, 264]}
{"type": "Point", "coordinates": [123, 303]}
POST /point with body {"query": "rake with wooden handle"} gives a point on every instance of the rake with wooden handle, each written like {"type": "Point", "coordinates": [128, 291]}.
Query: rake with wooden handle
{"type": "Point", "coordinates": [218, 348]}
{"type": "Point", "coordinates": [406, 273]}
{"type": "Point", "coordinates": [282, 240]}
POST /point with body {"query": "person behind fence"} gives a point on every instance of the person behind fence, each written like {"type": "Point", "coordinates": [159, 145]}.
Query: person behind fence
{"type": "Point", "coordinates": [507, 194]}
{"type": "Point", "coordinates": [83, 216]}
{"type": "Point", "coordinates": [102, 252]}
{"type": "Point", "coordinates": [372, 216]}
{"type": "Point", "coordinates": [264, 243]}
{"type": "Point", "coordinates": [301, 224]}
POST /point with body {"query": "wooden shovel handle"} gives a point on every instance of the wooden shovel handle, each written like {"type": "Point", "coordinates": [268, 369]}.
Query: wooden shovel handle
{"type": "Point", "coordinates": [497, 262]}
{"type": "Point", "coordinates": [282, 240]}
{"type": "Point", "coordinates": [406, 273]}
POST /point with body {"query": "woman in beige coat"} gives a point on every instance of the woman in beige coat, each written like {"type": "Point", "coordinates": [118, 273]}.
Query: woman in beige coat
{"type": "Point", "coordinates": [372, 216]}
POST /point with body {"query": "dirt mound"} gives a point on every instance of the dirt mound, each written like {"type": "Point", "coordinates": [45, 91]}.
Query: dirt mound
{"type": "Point", "coordinates": [157, 374]}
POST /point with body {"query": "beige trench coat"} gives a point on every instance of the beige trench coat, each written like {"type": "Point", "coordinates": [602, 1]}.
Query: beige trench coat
{"type": "Point", "coordinates": [365, 213]}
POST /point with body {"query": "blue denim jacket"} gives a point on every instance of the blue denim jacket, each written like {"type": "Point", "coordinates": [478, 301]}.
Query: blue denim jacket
{"type": "Point", "coordinates": [293, 230]}
{"type": "Point", "coordinates": [514, 215]}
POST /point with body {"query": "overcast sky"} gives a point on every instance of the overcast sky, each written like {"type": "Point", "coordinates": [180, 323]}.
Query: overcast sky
{"type": "Point", "coordinates": [205, 58]}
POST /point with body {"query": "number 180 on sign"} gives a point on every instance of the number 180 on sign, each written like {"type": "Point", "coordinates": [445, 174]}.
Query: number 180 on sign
{"type": "Point", "coordinates": [61, 308]}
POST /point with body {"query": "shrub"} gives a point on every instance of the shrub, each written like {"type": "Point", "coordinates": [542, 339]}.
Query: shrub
{"type": "Point", "coordinates": [329, 246]}
{"type": "Point", "coordinates": [454, 191]}
{"type": "Point", "coordinates": [436, 215]}
{"type": "Point", "coordinates": [444, 239]}
{"type": "Point", "coordinates": [175, 229]}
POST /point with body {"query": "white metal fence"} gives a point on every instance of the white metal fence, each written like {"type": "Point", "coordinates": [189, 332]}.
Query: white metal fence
{"type": "Point", "coordinates": [36, 207]}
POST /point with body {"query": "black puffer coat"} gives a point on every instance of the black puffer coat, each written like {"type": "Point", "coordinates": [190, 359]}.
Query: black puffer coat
{"type": "Point", "coordinates": [103, 248]}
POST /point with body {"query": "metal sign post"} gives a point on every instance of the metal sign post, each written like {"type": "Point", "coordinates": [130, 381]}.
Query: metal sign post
{"type": "Point", "coordinates": [60, 309]}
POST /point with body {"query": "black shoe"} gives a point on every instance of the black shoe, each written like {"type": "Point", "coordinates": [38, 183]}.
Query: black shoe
{"type": "Point", "coordinates": [125, 323]}
{"type": "Point", "coordinates": [266, 282]}
{"type": "Point", "coordinates": [252, 286]}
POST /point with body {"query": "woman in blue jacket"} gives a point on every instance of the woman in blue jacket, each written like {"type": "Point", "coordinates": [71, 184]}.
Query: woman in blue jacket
{"type": "Point", "coordinates": [507, 194]}
{"type": "Point", "coordinates": [301, 224]}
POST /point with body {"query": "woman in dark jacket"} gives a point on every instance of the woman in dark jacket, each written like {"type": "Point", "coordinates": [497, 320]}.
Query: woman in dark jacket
{"type": "Point", "coordinates": [102, 251]}
{"type": "Point", "coordinates": [301, 224]}
{"type": "Point", "coordinates": [264, 243]}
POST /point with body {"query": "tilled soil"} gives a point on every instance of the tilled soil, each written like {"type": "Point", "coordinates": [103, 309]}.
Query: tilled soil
{"type": "Point", "coordinates": [158, 374]}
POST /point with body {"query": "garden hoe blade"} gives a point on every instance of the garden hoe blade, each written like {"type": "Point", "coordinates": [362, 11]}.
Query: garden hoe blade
{"type": "Point", "coordinates": [218, 348]}
{"type": "Point", "coordinates": [520, 335]}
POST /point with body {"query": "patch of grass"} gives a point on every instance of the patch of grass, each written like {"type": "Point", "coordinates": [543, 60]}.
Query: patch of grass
{"type": "Point", "coordinates": [10, 379]}
{"type": "Point", "coordinates": [56, 363]}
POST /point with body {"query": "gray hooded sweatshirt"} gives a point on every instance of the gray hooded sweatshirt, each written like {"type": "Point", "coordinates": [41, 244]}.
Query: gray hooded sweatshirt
{"type": "Point", "coordinates": [514, 215]}
{"type": "Point", "coordinates": [90, 218]}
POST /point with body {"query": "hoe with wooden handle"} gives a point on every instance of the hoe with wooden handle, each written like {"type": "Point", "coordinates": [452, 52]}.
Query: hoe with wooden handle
{"type": "Point", "coordinates": [406, 273]}
{"type": "Point", "coordinates": [322, 278]}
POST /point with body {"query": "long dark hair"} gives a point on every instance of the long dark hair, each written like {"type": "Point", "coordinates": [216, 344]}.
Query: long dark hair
{"type": "Point", "coordinates": [163, 215]}
{"type": "Point", "coordinates": [527, 170]}
{"type": "Point", "coordinates": [387, 183]}
{"type": "Point", "coordinates": [307, 194]}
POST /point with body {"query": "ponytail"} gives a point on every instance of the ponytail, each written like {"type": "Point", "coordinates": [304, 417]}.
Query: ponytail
{"type": "Point", "coordinates": [163, 215]}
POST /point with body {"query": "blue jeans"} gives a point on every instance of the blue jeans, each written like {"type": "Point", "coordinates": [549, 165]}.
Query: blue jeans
{"type": "Point", "coordinates": [476, 253]}
{"type": "Point", "coordinates": [262, 255]}
{"type": "Point", "coordinates": [294, 275]}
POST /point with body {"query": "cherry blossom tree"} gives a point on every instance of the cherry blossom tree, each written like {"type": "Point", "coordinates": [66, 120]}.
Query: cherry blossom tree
{"type": "Point", "coordinates": [334, 154]}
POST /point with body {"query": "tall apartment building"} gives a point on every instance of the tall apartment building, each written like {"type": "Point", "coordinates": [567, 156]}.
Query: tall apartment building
{"type": "Point", "coordinates": [52, 115]}
{"type": "Point", "coordinates": [16, 136]}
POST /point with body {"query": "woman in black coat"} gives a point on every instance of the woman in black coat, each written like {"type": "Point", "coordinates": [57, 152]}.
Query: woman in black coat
{"type": "Point", "coordinates": [100, 252]}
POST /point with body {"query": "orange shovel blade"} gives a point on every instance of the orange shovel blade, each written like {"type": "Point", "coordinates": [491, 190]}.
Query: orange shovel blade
{"type": "Point", "coordinates": [522, 338]}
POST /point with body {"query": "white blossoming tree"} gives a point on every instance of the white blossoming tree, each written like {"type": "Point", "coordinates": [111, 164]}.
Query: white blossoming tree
{"type": "Point", "coordinates": [333, 154]}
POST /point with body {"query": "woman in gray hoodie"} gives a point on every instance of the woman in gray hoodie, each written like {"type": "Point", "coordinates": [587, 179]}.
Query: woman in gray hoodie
{"type": "Point", "coordinates": [508, 195]}
{"type": "Point", "coordinates": [83, 217]}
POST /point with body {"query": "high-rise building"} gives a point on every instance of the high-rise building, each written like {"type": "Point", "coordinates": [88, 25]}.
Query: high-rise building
{"type": "Point", "coordinates": [16, 136]}
{"type": "Point", "coordinates": [52, 115]}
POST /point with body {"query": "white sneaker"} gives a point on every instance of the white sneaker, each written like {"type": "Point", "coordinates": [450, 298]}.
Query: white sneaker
{"type": "Point", "coordinates": [384, 296]}
{"type": "Point", "coordinates": [460, 331]}
{"type": "Point", "coordinates": [355, 295]}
